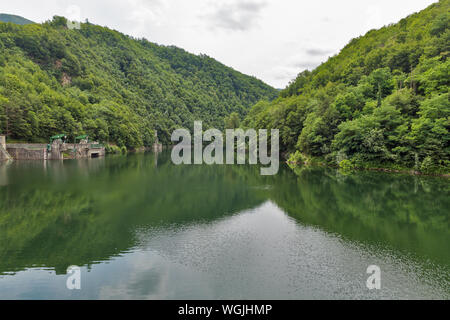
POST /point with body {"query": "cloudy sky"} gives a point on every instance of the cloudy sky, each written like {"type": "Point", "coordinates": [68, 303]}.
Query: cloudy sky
{"type": "Point", "coordinates": [273, 40]}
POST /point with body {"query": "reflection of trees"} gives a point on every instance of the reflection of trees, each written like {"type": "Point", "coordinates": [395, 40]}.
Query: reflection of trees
{"type": "Point", "coordinates": [82, 215]}
{"type": "Point", "coordinates": [87, 212]}
{"type": "Point", "coordinates": [401, 211]}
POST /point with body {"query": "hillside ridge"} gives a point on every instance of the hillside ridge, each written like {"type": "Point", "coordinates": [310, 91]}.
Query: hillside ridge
{"type": "Point", "coordinates": [4, 17]}
{"type": "Point", "coordinates": [381, 102]}
{"type": "Point", "coordinates": [114, 87]}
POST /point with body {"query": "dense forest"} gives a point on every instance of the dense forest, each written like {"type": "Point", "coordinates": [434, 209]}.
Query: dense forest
{"type": "Point", "coordinates": [383, 101]}
{"type": "Point", "coordinates": [113, 87]}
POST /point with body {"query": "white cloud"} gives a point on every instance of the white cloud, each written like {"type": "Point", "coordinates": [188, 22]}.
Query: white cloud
{"type": "Point", "coordinates": [317, 51]}
{"type": "Point", "coordinates": [374, 17]}
{"type": "Point", "coordinates": [236, 15]}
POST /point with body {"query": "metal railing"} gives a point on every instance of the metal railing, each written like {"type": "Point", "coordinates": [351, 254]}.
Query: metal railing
{"type": "Point", "coordinates": [97, 146]}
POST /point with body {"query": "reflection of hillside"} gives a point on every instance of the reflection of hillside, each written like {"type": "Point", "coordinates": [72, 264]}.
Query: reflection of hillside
{"type": "Point", "coordinates": [82, 214]}
{"type": "Point", "coordinates": [400, 211]}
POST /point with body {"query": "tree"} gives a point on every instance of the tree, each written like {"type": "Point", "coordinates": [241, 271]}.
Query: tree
{"type": "Point", "coordinates": [232, 121]}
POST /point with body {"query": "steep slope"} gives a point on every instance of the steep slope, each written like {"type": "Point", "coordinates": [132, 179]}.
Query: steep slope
{"type": "Point", "coordinates": [381, 102]}
{"type": "Point", "coordinates": [14, 19]}
{"type": "Point", "coordinates": [110, 86]}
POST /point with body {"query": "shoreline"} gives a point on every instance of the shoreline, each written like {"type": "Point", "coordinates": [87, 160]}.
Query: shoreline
{"type": "Point", "coordinates": [411, 172]}
{"type": "Point", "coordinates": [160, 148]}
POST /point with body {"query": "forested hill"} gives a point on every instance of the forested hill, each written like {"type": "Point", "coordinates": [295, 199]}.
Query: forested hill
{"type": "Point", "coordinates": [383, 101]}
{"type": "Point", "coordinates": [115, 88]}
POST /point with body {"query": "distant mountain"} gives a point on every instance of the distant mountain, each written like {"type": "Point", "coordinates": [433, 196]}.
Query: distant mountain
{"type": "Point", "coordinates": [111, 86]}
{"type": "Point", "coordinates": [14, 19]}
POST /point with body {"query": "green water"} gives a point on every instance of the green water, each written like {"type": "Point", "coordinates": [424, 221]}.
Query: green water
{"type": "Point", "coordinates": [142, 228]}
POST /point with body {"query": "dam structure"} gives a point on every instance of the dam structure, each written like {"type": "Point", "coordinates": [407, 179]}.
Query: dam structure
{"type": "Point", "coordinates": [57, 149]}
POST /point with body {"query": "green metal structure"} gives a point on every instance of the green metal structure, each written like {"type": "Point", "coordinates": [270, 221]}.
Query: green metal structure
{"type": "Point", "coordinates": [82, 137]}
{"type": "Point", "coordinates": [59, 136]}
{"type": "Point", "coordinates": [62, 136]}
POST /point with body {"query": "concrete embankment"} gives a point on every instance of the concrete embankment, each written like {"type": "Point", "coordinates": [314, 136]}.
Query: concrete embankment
{"type": "Point", "coordinates": [27, 151]}
{"type": "Point", "coordinates": [58, 150]}
{"type": "Point", "coordinates": [4, 155]}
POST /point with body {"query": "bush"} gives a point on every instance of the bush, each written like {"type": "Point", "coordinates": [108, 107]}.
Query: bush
{"type": "Point", "coordinates": [346, 165]}
{"type": "Point", "coordinates": [112, 149]}
{"type": "Point", "coordinates": [427, 165]}
{"type": "Point", "coordinates": [296, 158]}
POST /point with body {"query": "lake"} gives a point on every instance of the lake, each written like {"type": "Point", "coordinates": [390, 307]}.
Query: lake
{"type": "Point", "coordinates": [140, 227]}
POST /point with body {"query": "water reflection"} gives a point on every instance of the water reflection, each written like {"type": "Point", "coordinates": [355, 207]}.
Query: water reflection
{"type": "Point", "coordinates": [143, 228]}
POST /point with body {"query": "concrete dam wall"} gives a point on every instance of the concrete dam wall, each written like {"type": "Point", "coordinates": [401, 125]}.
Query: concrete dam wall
{"type": "Point", "coordinates": [57, 151]}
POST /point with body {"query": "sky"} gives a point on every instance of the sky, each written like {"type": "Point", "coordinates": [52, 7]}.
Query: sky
{"type": "Point", "coordinates": [273, 40]}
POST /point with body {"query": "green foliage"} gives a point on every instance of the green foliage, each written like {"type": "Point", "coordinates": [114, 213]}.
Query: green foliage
{"type": "Point", "coordinates": [427, 165]}
{"type": "Point", "coordinates": [296, 158]}
{"type": "Point", "coordinates": [112, 149]}
{"type": "Point", "coordinates": [383, 100]}
{"type": "Point", "coordinates": [232, 121]}
{"type": "Point", "coordinates": [346, 165]}
{"type": "Point", "coordinates": [110, 86]}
